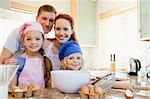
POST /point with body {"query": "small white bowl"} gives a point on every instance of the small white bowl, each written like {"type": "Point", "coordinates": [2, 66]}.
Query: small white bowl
{"type": "Point", "coordinates": [70, 81]}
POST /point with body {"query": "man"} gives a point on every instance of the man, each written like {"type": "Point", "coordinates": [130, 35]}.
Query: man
{"type": "Point", "coordinates": [45, 16]}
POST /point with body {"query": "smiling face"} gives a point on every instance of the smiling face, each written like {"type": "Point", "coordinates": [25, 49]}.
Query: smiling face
{"type": "Point", "coordinates": [74, 61]}
{"type": "Point", "coordinates": [33, 41]}
{"type": "Point", "coordinates": [46, 19]}
{"type": "Point", "coordinates": [63, 30]}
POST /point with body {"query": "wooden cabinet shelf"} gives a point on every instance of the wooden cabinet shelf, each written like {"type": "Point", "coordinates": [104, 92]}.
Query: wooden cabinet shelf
{"type": "Point", "coordinates": [144, 18]}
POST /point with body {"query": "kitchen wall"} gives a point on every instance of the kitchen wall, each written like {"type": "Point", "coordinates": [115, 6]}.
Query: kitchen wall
{"type": "Point", "coordinates": [119, 34]}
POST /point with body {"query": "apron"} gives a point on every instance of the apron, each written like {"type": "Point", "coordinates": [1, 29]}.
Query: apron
{"type": "Point", "coordinates": [33, 72]}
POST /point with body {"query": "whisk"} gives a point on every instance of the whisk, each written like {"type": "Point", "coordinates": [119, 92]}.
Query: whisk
{"type": "Point", "coordinates": [106, 81]}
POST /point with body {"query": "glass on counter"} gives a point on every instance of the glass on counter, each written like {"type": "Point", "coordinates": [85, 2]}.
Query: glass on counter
{"type": "Point", "coordinates": [7, 72]}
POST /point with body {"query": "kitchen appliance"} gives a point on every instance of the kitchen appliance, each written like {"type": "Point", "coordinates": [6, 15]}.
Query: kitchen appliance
{"type": "Point", "coordinates": [148, 71]}
{"type": "Point", "coordinates": [135, 66]}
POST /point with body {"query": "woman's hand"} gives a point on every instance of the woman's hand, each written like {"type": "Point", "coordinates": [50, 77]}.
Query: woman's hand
{"type": "Point", "coordinates": [11, 60]}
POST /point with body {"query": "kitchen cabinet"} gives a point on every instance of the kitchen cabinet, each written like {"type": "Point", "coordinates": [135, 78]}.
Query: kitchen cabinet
{"type": "Point", "coordinates": [86, 22]}
{"type": "Point", "coordinates": [144, 17]}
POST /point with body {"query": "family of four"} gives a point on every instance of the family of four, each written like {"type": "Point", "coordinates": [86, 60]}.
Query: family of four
{"type": "Point", "coordinates": [36, 55]}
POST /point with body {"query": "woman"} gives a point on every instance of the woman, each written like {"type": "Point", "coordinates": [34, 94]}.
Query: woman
{"type": "Point", "coordinates": [64, 31]}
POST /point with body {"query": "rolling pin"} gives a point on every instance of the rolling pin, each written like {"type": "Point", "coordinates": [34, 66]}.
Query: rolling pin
{"type": "Point", "coordinates": [125, 85]}
{"type": "Point", "coordinates": [141, 88]}
{"type": "Point", "coordinates": [122, 85]}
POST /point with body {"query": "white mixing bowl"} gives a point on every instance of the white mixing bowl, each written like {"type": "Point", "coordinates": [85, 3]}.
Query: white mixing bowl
{"type": "Point", "coordinates": [69, 81]}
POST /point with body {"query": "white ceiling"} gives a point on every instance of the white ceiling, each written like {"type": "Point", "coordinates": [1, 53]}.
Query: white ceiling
{"type": "Point", "coordinates": [60, 5]}
{"type": "Point", "coordinates": [37, 3]}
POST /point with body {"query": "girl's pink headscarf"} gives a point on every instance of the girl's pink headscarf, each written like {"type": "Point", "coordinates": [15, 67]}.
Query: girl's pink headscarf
{"type": "Point", "coordinates": [28, 27]}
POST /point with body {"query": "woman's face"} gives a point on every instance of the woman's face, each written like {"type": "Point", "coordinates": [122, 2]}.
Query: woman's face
{"type": "Point", "coordinates": [63, 30]}
{"type": "Point", "coordinates": [33, 41]}
{"type": "Point", "coordinates": [74, 61]}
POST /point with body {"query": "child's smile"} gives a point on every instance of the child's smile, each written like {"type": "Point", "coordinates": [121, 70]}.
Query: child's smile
{"type": "Point", "coordinates": [74, 61]}
{"type": "Point", "coordinates": [33, 41]}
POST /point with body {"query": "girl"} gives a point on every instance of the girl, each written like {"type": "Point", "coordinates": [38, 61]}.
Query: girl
{"type": "Point", "coordinates": [70, 56]}
{"type": "Point", "coordinates": [31, 67]}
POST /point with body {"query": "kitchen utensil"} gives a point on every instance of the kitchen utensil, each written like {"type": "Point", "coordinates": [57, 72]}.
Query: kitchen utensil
{"type": "Point", "coordinates": [7, 72]}
{"type": "Point", "coordinates": [135, 66]}
{"type": "Point", "coordinates": [141, 88]}
{"type": "Point", "coordinates": [100, 78]}
{"type": "Point", "coordinates": [70, 81]}
{"type": "Point", "coordinates": [107, 81]}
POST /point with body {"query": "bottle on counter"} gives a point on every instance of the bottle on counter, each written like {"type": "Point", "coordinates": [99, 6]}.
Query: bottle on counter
{"type": "Point", "coordinates": [112, 63]}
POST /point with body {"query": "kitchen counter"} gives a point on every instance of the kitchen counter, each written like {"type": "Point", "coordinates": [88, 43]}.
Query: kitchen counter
{"type": "Point", "coordinates": [112, 93]}
{"type": "Point", "coordinates": [55, 94]}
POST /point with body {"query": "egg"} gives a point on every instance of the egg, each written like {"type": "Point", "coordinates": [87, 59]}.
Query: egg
{"type": "Point", "coordinates": [84, 89]}
{"type": "Point", "coordinates": [98, 90]}
{"type": "Point", "coordinates": [129, 94]}
{"type": "Point", "coordinates": [35, 87]}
